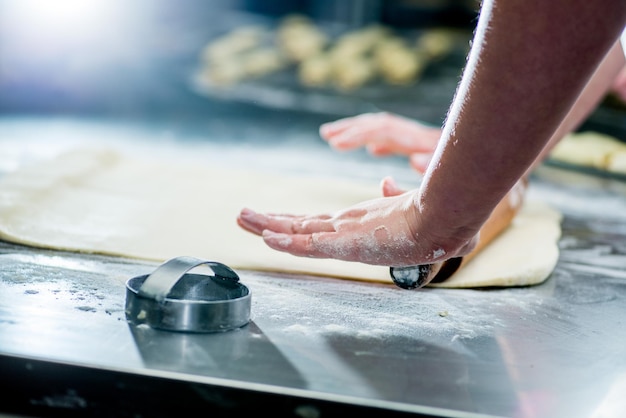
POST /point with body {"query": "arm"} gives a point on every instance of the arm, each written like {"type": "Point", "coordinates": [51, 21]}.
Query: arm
{"type": "Point", "coordinates": [599, 85]}
{"type": "Point", "coordinates": [529, 62]}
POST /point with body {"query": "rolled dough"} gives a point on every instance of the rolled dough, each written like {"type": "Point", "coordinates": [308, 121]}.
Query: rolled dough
{"type": "Point", "coordinates": [107, 202]}
{"type": "Point", "coordinates": [592, 149]}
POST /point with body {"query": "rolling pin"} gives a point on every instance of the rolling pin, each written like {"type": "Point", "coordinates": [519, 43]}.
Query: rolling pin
{"type": "Point", "coordinates": [413, 277]}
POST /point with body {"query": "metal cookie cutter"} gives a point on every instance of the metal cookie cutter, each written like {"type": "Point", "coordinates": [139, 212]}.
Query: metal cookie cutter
{"type": "Point", "coordinates": [172, 299]}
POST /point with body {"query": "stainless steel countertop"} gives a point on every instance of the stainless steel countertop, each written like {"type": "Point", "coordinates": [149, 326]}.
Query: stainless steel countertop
{"type": "Point", "coordinates": [320, 344]}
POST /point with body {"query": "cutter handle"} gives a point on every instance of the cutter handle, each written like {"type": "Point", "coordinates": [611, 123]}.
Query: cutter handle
{"type": "Point", "coordinates": [161, 281]}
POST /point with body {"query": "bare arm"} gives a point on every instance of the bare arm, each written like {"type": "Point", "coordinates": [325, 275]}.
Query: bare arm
{"type": "Point", "coordinates": [595, 90]}
{"type": "Point", "coordinates": [530, 61]}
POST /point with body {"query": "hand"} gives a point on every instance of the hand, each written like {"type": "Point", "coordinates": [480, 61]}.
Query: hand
{"type": "Point", "coordinates": [381, 231]}
{"type": "Point", "coordinates": [384, 134]}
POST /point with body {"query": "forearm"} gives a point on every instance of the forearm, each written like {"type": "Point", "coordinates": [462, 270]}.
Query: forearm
{"type": "Point", "coordinates": [529, 62]}
{"type": "Point", "coordinates": [595, 90]}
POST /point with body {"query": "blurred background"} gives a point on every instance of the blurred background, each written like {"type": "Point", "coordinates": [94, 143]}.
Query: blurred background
{"type": "Point", "coordinates": [137, 59]}
{"type": "Point", "coordinates": [148, 58]}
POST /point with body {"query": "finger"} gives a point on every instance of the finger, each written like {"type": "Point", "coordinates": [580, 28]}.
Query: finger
{"type": "Point", "coordinates": [357, 131]}
{"type": "Point", "coordinates": [330, 129]}
{"type": "Point", "coordinates": [365, 249]}
{"type": "Point", "coordinates": [419, 161]}
{"type": "Point", "coordinates": [355, 137]}
{"type": "Point", "coordinates": [294, 244]}
{"type": "Point", "coordinates": [383, 138]}
{"type": "Point", "coordinates": [319, 245]}
{"type": "Point", "coordinates": [390, 188]}
{"type": "Point", "coordinates": [379, 149]}
{"type": "Point", "coordinates": [251, 221]}
{"type": "Point", "coordinates": [248, 226]}
{"type": "Point", "coordinates": [379, 138]}
{"type": "Point", "coordinates": [290, 224]}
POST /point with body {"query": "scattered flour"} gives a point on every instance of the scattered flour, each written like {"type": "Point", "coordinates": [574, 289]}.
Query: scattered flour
{"type": "Point", "coordinates": [317, 306]}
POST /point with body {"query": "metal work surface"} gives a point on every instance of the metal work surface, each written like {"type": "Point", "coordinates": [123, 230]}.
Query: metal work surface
{"type": "Point", "coordinates": [320, 346]}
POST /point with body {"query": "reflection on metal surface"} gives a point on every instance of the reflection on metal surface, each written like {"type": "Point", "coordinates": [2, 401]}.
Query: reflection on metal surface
{"type": "Point", "coordinates": [244, 354]}
{"type": "Point", "coordinates": [614, 403]}
{"type": "Point", "coordinates": [557, 349]}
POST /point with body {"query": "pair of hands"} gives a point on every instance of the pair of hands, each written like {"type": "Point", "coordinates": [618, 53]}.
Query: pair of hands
{"type": "Point", "coordinates": [382, 231]}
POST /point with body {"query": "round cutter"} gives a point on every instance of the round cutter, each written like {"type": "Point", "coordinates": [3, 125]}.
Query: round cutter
{"type": "Point", "coordinates": [172, 299]}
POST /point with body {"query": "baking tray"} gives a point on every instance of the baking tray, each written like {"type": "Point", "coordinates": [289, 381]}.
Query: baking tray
{"type": "Point", "coordinates": [586, 170]}
{"type": "Point", "coordinates": [435, 86]}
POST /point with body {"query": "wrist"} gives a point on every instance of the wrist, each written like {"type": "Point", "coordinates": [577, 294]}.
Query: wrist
{"type": "Point", "coordinates": [442, 230]}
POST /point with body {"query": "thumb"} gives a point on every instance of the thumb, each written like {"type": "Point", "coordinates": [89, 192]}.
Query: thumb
{"type": "Point", "coordinates": [390, 188]}
{"type": "Point", "coordinates": [420, 161]}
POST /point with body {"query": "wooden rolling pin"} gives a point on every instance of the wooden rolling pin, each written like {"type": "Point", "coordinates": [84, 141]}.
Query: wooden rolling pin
{"type": "Point", "coordinates": [413, 277]}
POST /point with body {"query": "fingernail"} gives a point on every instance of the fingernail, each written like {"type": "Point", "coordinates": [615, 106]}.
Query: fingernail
{"type": "Point", "coordinates": [247, 213]}
{"type": "Point", "coordinates": [253, 219]}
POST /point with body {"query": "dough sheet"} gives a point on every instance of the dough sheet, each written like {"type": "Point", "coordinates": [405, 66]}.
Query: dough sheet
{"type": "Point", "coordinates": [104, 201]}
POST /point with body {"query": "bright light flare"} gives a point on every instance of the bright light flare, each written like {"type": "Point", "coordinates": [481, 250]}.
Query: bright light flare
{"type": "Point", "coordinates": [43, 36]}
{"type": "Point", "coordinates": [60, 16]}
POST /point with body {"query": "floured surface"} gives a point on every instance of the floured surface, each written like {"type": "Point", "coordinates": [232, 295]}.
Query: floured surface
{"type": "Point", "coordinates": [101, 201]}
